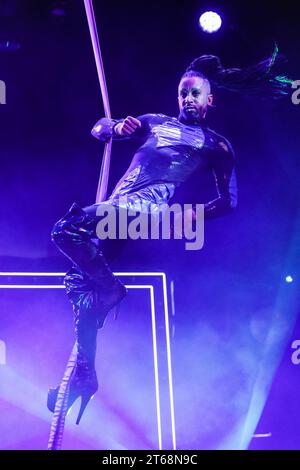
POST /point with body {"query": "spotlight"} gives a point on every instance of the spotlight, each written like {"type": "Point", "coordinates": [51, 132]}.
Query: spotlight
{"type": "Point", "coordinates": [210, 22]}
{"type": "Point", "coordinates": [289, 279]}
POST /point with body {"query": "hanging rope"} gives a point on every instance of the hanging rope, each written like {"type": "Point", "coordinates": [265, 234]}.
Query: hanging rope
{"type": "Point", "coordinates": [104, 172]}
{"type": "Point", "coordinates": [61, 406]}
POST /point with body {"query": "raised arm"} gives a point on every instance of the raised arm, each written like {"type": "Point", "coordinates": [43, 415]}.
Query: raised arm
{"type": "Point", "coordinates": [223, 167]}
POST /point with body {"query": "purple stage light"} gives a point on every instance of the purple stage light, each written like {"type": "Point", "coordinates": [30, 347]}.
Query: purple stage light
{"type": "Point", "coordinates": [163, 402]}
{"type": "Point", "coordinates": [210, 22]}
{"type": "Point", "coordinates": [289, 279]}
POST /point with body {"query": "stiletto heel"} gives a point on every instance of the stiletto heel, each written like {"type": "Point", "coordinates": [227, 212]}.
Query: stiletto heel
{"type": "Point", "coordinates": [83, 384]}
{"type": "Point", "coordinates": [84, 402]}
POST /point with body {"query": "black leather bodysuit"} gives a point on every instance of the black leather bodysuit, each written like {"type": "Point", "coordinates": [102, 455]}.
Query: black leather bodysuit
{"type": "Point", "coordinates": [170, 152]}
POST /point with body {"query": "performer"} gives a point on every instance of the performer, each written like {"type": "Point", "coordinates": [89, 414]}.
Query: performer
{"type": "Point", "coordinates": [171, 149]}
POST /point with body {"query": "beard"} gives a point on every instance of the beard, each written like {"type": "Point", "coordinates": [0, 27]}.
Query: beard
{"type": "Point", "coordinates": [191, 115]}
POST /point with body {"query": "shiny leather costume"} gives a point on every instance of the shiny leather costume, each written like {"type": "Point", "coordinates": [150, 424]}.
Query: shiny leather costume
{"type": "Point", "coordinates": [169, 153]}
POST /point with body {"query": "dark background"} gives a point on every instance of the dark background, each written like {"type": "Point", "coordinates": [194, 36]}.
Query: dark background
{"type": "Point", "coordinates": [49, 159]}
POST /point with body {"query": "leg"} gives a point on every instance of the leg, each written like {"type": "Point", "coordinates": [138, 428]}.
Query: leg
{"type": "Point", "coordinates": [74, 234]}
{"type": "Point", "coordinates": [92, 289]}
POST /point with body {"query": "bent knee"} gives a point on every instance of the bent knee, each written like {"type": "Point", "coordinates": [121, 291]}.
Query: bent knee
{"type": "Point", "coordinates": [58, 233]}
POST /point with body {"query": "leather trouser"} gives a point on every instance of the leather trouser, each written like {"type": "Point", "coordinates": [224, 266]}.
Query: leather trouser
{"type": "Point", "coordinates": [91, 286]}
{"type": "Point", "coordinates": [90, 283]}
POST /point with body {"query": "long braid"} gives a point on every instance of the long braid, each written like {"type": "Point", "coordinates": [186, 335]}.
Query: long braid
{"type": "Point", "coordinates": [263, 78]}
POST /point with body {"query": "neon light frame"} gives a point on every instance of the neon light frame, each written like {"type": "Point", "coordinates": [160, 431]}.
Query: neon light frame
{"type": "Point", "coordinates": [154, 332]}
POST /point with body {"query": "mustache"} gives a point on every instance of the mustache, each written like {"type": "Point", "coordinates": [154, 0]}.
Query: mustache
{"type": "Point", "coordinates": [186, 108]}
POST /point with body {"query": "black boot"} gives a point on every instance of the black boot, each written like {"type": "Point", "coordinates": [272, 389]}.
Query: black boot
{"type": "Point", "coordinates": [83, 381]}
{"type": "Point", "coordinates": [93, 291]}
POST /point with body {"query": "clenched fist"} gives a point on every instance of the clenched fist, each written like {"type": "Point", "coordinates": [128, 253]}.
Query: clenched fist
{"type": "Point", "coordinates": [128, 126]}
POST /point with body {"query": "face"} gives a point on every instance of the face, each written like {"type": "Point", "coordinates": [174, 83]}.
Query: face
{"type": "Point", "coordinates": [194, 97]}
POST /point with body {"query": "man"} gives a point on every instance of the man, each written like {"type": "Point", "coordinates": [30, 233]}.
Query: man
{"type": "Point", "coordinates": [174, 147]}
{"type": "Point", "coordinates": [171, 149]}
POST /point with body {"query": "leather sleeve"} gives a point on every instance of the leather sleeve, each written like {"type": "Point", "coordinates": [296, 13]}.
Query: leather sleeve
{"type": "Point", "coordinates": [223, 167]}
{"type": "Point", "coordinates": [104, 129]}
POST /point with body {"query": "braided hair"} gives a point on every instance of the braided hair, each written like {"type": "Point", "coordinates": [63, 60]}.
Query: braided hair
{"type": "Point", "coordinates": [262, 79]}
